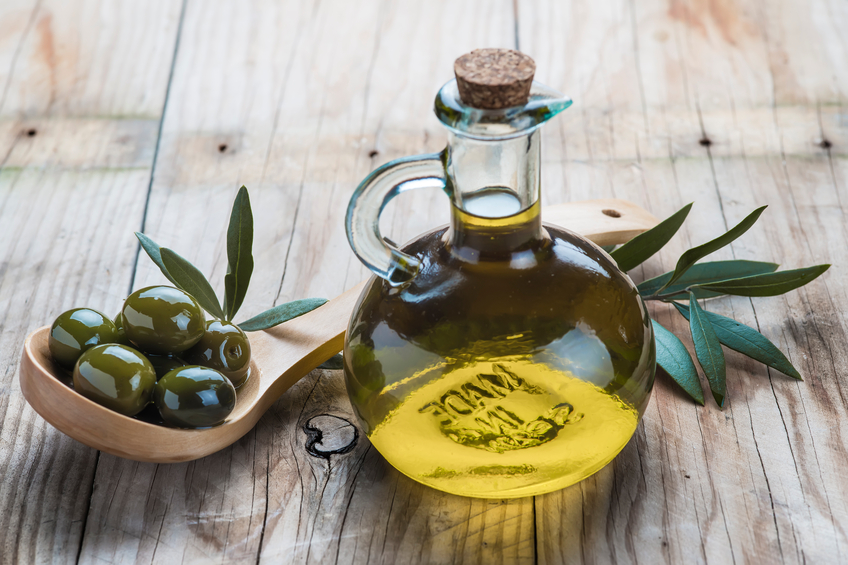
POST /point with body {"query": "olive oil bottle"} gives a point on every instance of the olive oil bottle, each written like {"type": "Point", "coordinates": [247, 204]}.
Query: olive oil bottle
{"type": "Point", "coordinates": [499, 356]}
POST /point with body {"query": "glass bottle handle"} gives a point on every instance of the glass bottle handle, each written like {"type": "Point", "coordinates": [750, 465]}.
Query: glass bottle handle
{"type": "Point", "coordinates": [367, 203]}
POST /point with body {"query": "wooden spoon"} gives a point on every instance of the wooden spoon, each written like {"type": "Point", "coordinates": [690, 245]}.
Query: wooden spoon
{"type": "Point", "coordinates": [280, 357]}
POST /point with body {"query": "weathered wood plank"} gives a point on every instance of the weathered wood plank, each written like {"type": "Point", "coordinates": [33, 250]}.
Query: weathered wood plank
{"type": "Point", "coordinates": [801, 462]}
{"type": "Point", "coordinates": [232, 66]}
{"type": "Point", "coordinates": [16, 21]}
{"type": "Point", "coordinates": [710, 485]}
{"type": "Point", "coordinates": [74, 173]}
{"type": "Point", "coordinates": [388, 517]}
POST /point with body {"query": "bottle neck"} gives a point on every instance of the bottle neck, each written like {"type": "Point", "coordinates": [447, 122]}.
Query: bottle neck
{"type": "Point", "coordinates": [494, 186]}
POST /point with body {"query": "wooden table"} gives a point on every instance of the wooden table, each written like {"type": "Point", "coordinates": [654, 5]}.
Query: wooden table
{"type": "Point", "coordinates": [118, 116]}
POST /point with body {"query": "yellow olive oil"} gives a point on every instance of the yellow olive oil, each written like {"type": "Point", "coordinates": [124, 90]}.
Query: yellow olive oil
{"type": "Point", "coordinates": [504, 428]}
{"type": "Point", "coordinates": [517, 361]}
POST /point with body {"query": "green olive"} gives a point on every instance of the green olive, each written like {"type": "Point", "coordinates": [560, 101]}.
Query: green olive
{"type": "Point", "coordinates": [225, 348]}
{"type": "Point", "coordinates": [115, 376]}
{"type": "Point", "coordinates": [77, 330]}
{"type": "Point", "coordinates": [122, 335]}
{"type": "Point", "coordinates": [194, 397]}
{"type": "Point", "coordinates": [164, 364]}
{"type": "Point", "coordinates": [162, 320]}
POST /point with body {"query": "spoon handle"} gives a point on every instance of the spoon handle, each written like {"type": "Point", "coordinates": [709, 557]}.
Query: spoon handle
{"type": "Point", "coordinates": [294, 348]}
{"type": "Point", "coordinates": [605, 221]}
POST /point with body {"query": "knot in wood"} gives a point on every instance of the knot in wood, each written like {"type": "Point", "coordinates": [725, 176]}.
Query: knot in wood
{"type": "Point", "coordinates": [493, 79]}
{"type": "Point", "coordinates": [329, 435]}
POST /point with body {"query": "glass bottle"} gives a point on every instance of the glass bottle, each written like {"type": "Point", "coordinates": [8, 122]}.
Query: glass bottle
{"type": "Point", "coordinates": [499, 356]}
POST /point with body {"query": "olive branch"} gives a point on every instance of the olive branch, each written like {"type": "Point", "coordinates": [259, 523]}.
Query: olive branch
{"type": "Point", "coordinates": [691, 281]}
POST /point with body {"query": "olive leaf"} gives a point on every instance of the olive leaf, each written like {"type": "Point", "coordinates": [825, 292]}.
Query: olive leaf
{"type": "Point", "coordinates": [187, 277]}
{"type": "Point", "coordinates": [239, 254]}
{"type": "Point", "coordinates": [708, 350]}
{"type": "Point", "coordinates": [335, 362]}
{"type": "Point", "coordinates": [182, 274]}
{"type": "Point", "coordinates": [153, 251]}
{"type": "Point", "coordinates": [674, 358]}
{"type": "Point", "coordinates": [768, 284]}
{"type": "Point", "coordinates": [643, 246]}
{"type": "Point", "coordinates": [693, 255]}
{"type": "Point", "coordinates": [746, 340]}
{"type": "Point", "coordinates": [282, 313]}
{"type": "Point", "coordinates": [701, 273]}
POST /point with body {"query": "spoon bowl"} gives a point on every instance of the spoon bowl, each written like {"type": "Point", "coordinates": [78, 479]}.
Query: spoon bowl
{"type": "Point", "coordinates": [280, 357]}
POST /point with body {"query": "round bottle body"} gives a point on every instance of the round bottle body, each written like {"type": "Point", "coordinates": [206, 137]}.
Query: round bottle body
{"type": "Point", "coordinates": [504, 375]}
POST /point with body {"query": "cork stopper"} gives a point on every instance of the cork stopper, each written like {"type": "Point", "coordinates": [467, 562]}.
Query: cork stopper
{"type": "Point", "coordinates": [493, 79]}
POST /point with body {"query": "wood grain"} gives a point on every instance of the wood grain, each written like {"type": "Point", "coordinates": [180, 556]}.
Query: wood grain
{"type": "Point", "coordinates": [728, 103]}
{"type": "Point", "coordinates": [705, 121]}
{"type": "Point", "coordinates": [79, 111]}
